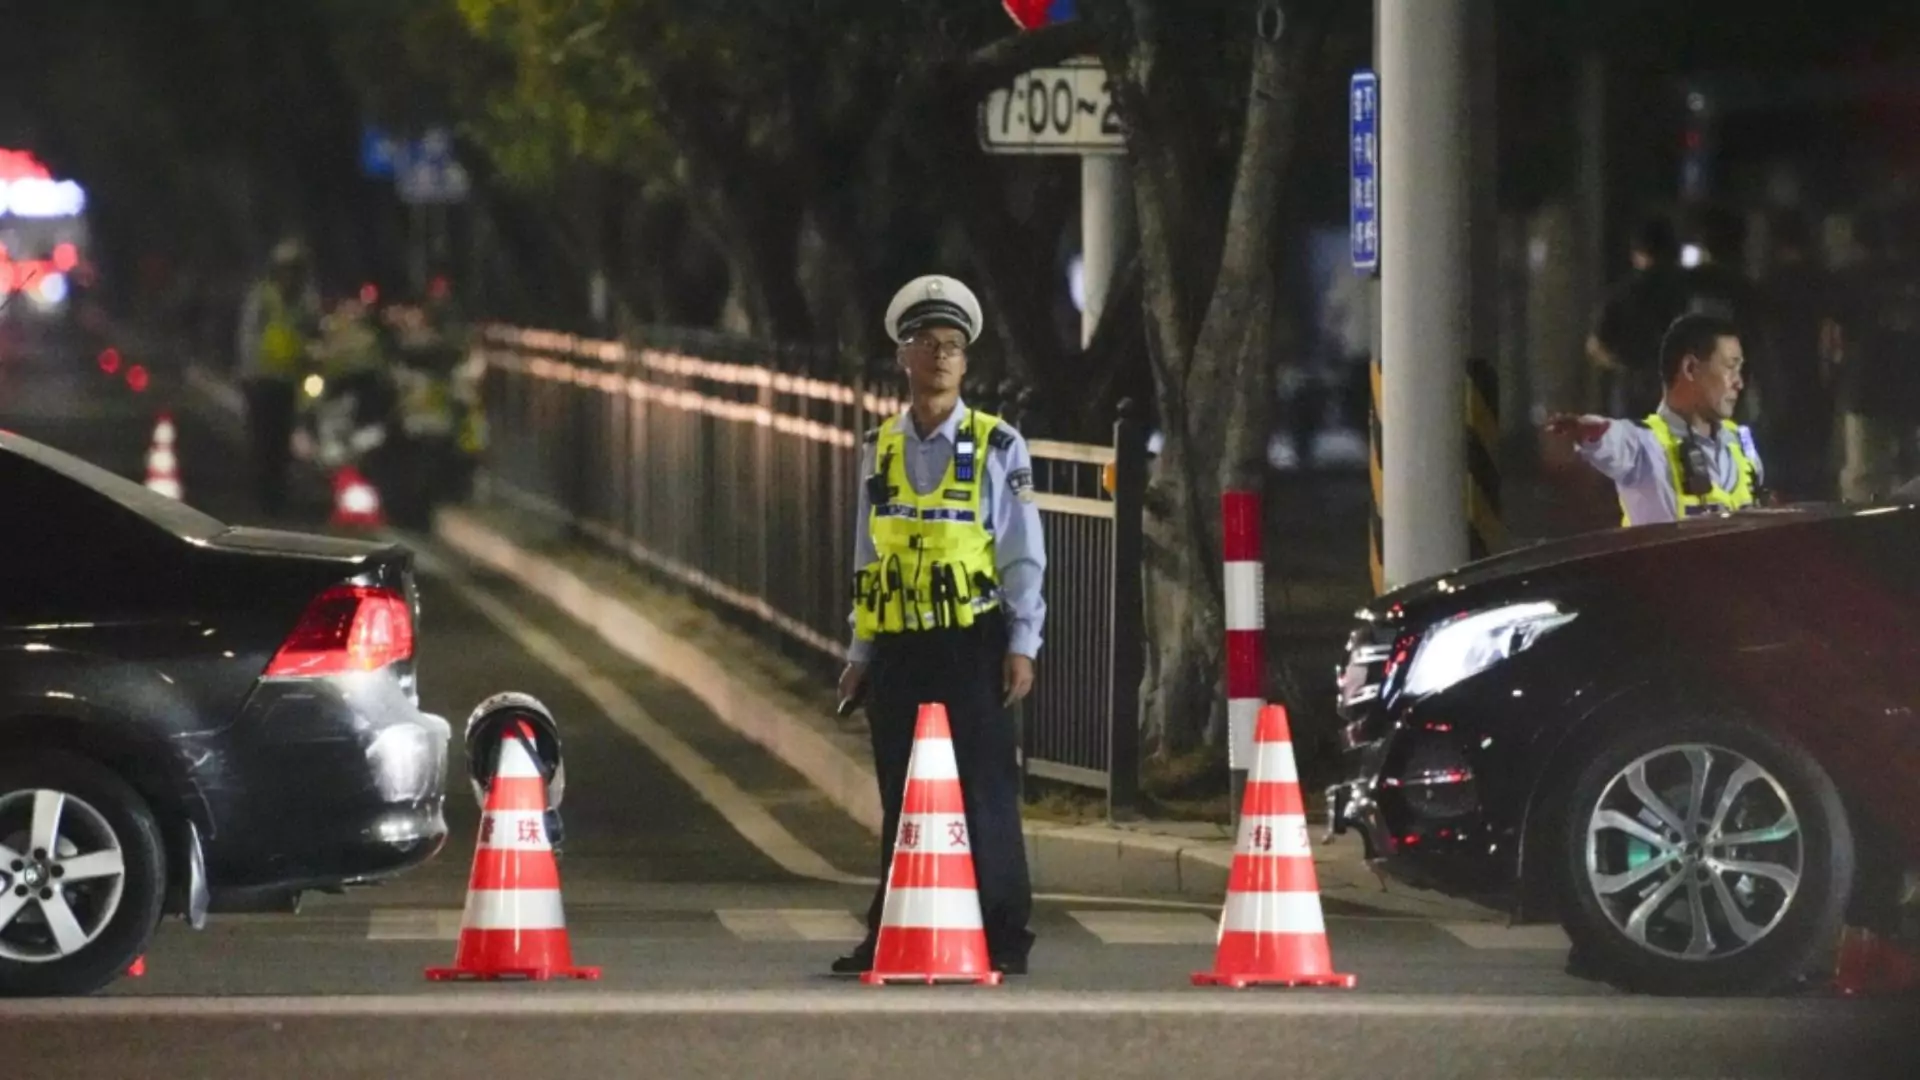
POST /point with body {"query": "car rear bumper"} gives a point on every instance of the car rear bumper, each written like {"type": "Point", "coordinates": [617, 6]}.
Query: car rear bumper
{"type": "Point", "coordinates": [326, 782]}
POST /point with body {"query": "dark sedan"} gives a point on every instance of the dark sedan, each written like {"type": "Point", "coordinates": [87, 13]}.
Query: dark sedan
{"type": "Point", "coordinates": [1695, 746]}
{"type": "Point", "coordinates": [193, 717]}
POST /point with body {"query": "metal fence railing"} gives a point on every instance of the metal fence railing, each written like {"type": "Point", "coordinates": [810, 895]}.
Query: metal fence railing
{"type": "Point", "coordinates": [738, 481]}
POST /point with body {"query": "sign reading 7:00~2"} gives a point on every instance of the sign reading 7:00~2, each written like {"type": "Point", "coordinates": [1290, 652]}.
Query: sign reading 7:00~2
{"type": "Point", "coordinates": [1057, 110]}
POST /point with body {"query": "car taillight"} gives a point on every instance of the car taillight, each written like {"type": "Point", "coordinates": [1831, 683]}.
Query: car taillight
{"type": "Point", "coordinates": [347, 628]}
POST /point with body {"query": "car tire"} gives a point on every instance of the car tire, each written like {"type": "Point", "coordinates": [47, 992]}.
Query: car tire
{"type": "Point", "coordinates": [1801, 929]}
{"type": "Point", "coordinates": [125, 935]}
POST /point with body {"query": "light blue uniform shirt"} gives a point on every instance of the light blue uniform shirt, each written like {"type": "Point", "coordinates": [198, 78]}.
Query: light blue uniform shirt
{"type": "Point", "coordinates": [1634, 460]}
{"type": "Point", "coordinates": [1019, 546]}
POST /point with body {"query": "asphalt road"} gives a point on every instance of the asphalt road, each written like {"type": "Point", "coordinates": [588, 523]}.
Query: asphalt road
{"type": "Point", "coordinates": [713, 946]}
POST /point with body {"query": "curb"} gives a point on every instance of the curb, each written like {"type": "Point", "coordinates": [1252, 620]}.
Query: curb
{"type": "Point", "coordinates": [217, 390]}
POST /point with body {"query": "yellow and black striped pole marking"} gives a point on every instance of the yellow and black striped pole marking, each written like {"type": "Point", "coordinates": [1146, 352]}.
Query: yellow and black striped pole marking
{"type": "Point", "coordinates": [1486, 529]}
{"type": "Point", "coordinates": [1376, 546]}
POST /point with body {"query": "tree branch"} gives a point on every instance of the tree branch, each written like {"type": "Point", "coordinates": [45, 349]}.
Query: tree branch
{"type": "Point", "coordinates": [988, 68]}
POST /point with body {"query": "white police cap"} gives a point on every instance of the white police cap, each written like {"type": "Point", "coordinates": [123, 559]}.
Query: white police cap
{"type": "Point", "coordinates": [934, 300]}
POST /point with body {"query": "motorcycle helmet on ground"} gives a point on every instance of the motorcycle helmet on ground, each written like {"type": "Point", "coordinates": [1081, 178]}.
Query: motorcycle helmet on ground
{"type": "Point", "coordinates": [500, 717]}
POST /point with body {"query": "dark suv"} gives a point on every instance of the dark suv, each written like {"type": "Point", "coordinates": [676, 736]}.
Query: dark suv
{"type": "Point", "coordinates": [1696, 745]}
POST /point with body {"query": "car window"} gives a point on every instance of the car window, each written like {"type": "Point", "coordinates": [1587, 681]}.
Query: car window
{"type": "Point", "coordinates": [172, 515]}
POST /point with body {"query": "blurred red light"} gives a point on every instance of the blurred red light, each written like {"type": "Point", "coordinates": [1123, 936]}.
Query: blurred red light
{"type": "Point", "coordinates": [110, 360]}
{"type": "Point", "coordinates": [66, 257]}
{"type": "Point", "coordinates": [369, 293]}
{"type": "Point", "coordinates": [137, 378]}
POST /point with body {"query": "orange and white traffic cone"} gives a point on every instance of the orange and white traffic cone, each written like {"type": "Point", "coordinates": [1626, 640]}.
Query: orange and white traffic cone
{"type": "Point", "coordinates": [515, 926]}
{"type": "Point", "coordinates": [1272, 931]}
{"type": "Point", "coordinates": [1871, 966]}
{"type": "Point", "coordinates": [930, 925]}
{"type": "Point", "coordinates": [163, 464]}
{"type": "Point", "coordinates": [356, 503]}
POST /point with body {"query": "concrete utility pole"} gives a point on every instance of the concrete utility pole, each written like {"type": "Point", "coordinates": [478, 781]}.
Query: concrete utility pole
{"type": "Point", "coordinates": [1426, 212]}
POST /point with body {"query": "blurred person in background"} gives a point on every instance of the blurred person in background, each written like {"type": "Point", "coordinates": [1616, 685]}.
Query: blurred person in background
{"type": "Point", "coordinates": [1796, 301]}
{"type": "Point", "coordinates": [1873, 344]}
{"type": "Point", "coordinates": [1624, 343]}
{"type": "Point", "coordinates": [279, 319]}
{"type": "Point", "coordinates": [356, 391]}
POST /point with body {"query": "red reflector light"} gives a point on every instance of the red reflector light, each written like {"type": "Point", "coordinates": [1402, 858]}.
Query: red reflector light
{"type": "Point", "coordinates": [137, 378]}
{"type": "Point", "coordinates": [347, 628]}
{"type": "Point", "coordinates": [110, 360]}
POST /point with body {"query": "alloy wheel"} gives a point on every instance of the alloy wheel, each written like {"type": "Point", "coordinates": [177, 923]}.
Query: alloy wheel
{"type": "Point", "coordinates": [1694, 852]}
{"type": "Point", "coordinates": [62, 875]}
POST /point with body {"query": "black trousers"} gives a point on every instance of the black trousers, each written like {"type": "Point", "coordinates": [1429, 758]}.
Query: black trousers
{"type": "Point", "coordinates": [271, 404]}
{"type": "Point", "coordinates": [961, 669]}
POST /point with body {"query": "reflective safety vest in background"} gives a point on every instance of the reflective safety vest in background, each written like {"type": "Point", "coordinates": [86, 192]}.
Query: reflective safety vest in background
{"type": "Point", "coordinates": [1717, 499]}
{"type": "Point", "coordinates": [935, 558]}
{"type": "Point", "coordinates": [281, 346]}
{"type": "Point", "coordinates": [351, 348]}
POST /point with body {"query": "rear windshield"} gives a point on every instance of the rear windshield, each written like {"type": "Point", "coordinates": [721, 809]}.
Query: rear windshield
{"type": "Point", "coordinates": [170, 514]}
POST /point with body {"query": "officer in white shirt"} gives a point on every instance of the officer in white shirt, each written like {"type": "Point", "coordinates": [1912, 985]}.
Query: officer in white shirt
{"type": "Point", "coordinates": [1688, 457]}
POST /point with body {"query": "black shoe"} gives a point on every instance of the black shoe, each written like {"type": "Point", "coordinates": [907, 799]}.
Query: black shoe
{"type": "Point", "coordinates": [1580, 965]}
{"type": "Point", "coordinates": [1010, 965]}
{"type": "Point", "coordinates": [857, 962]}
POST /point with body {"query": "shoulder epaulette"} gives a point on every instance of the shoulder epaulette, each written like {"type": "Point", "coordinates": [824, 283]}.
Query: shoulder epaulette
{"type": "Point", "coordinates": [1001, 437]}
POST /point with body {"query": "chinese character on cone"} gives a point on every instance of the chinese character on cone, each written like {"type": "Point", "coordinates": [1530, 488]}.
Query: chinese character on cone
{"type": "Point", "coordinates": [514, 926]}
{"type": "Point", "coordinates": [930, 926]}
{"type": "Point", "coordinates": [1272, 931]}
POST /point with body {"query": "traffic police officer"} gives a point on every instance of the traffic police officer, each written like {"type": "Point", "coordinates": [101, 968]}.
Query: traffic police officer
{"type": "Point", "coordinates": [280, 317]}
{"type": "Point", "coordinates": [948, 562]}
{"type": "Point", "coordinates": [1688, 457]}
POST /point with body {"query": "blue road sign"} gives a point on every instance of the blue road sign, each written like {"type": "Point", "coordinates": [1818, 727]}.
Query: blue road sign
{"type": "Point", "coordinates": [379, 153]}
{"type": "Point", "coordinates": [1363, 170]}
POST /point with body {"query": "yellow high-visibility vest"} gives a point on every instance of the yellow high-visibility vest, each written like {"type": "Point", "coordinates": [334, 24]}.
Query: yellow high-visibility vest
{"type": "Point", "coordinates": [1717, 499]}
{"type": "Point", "coordinates": [935, 563]}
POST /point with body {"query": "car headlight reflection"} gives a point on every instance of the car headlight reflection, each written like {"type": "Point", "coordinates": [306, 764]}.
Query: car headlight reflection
{"type": "Point", "coordinates": [1472, 643]}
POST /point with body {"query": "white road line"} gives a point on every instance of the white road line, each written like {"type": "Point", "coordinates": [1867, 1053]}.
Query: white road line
{"type": "Point", "coordinates": [791, 924]}
{"type": "Point", "coordinates": [1547, 938]}
{"type": "Point", "coordinates": [390, 924]}
{"type": "Point", "coordinates": [477, 1002]}
{"type": "Point", "coordinates": [1149, 927]}
{"type": "Point", "coordinates": [741, 810]}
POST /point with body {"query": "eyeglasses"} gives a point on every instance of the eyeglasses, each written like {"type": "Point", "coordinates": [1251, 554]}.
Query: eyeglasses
{"type": "Point", "coordinates": [943, 349]}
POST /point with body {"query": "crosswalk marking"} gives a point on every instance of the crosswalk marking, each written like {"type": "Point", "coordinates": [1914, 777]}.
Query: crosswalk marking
{"type": "Point", "coordinates": [387, 924]}
{"type": "Point", "coordinates": [1149, 927]}
{"type": "Point", "coordinates": [1111, 927]}
{"type": "Point", "coordinates": [1496, 936]}
{"type": "Point", "coordinates": [791, 924]}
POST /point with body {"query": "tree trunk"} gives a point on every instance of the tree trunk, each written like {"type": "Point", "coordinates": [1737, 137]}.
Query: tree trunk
{"type": "Point", "coordinates": [1181, 699]}
{"type": "Point", "coordinates": [1211, 333]}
